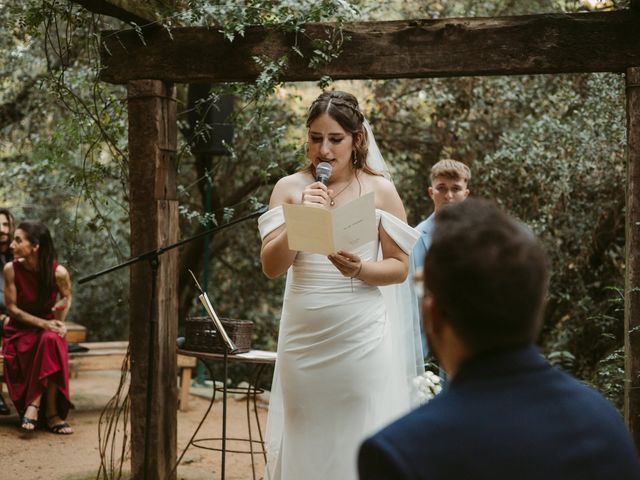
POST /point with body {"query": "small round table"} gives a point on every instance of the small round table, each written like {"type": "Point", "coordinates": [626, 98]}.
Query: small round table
{"type": "Point", "coordinates": [260, 359]}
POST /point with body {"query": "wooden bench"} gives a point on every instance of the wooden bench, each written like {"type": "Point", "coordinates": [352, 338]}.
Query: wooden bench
{"type": "Point", "coordinates": [76, 333]}
{"type": "Point", "coordinates": [110, 355]}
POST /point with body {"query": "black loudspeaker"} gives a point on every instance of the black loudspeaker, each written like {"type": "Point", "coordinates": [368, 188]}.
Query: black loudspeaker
{"type": "Point", "coordinates": [209, 116]}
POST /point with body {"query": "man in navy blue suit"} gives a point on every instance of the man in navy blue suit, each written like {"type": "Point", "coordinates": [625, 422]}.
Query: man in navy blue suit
{"type": "Point", "coordinates": [506, 413]}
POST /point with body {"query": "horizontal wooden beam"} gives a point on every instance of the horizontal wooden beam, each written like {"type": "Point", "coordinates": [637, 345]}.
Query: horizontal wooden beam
{"type": "Point", "coordinates": [554, 43]}
{"type": "Point", "coordinates": [138, 12]}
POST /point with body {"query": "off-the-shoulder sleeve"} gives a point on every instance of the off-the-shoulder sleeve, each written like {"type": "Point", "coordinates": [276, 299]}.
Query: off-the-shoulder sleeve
{"type": "Point", "coordinates": [269, 221]}
{"type": "Point", "coordinates": [401, 233]}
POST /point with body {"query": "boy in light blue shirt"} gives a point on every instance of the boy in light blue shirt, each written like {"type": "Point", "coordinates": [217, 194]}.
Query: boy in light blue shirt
{"type": "Point", "coordinates": [449, 185]}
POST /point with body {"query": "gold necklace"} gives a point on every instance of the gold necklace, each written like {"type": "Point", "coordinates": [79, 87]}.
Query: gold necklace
{"type": "Point", "coordinates": [332, 202]}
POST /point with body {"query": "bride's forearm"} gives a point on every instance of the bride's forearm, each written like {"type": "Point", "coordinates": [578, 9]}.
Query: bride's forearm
{"type": "Point", "coordinates": [384, 272]}
{"type": "Point", "coordinates": [275, 255]}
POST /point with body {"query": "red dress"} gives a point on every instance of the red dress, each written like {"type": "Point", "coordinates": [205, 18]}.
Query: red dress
{"type": "Point", "coordinates": [32, 356]}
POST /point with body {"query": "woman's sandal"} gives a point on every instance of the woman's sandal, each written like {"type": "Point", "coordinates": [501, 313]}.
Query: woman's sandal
{"type": "Point", "coordinates": [59, 427]}
{"type": "Point", "coordinates": [25, 421]}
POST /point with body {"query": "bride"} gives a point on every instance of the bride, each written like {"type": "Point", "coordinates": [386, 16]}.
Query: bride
{"type": "Point", "coordinates": [346, 351]}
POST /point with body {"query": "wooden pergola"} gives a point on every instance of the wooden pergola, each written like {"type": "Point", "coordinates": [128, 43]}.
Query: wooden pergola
{"type": "Point", "coordinates": [536, 44]}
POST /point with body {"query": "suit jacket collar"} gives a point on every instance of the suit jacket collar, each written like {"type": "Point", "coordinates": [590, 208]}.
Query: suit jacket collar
{"type": "Point", "coordinates": [498, 362]}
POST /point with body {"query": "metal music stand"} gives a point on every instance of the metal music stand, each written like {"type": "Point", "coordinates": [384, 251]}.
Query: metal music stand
{"type": "Point", "coordinates": [229, 347]}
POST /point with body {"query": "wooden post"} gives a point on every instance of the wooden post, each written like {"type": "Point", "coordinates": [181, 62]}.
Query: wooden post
{"type": "Point", "coordinates": [632, 279]}
{"type": "Point", "coordinates": [154, 224]}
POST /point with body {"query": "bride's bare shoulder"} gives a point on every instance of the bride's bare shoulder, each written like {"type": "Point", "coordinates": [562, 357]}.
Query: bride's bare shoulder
{"type": "Point", "coordinates": [381, 183]}
{"type": "Point", "coordinates": [289, 188]}
{"type": "Point", "coordinates": [295, 180]}
{"type": "Point", "coordinates": [387, 197]}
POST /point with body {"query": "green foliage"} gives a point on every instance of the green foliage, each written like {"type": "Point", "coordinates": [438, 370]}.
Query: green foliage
{"type": "Point", "coordinates": [234, 18]}
{"type": "Point", "coordinates": [571, 197]}
{"type": "Point", "coordinates": [609, 377]}
{"type": "Point", "coordinates": [550, 149]}
{"type": "Point", "coordinates": [63, 152]}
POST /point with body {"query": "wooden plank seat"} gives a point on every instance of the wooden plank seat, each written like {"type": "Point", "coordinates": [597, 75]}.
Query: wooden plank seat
{"type": "Point", "coordinates": [110, 355]}
{"type": "Point", "coordinates": [76, 333]}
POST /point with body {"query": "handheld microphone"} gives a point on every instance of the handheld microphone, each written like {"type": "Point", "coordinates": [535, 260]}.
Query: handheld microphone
{"type": "Point", "coordinates": [323, 172]}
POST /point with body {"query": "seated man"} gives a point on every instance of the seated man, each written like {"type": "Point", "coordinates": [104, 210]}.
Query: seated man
{"type": "Point", "coordinates": [507, 413]}
{"type": "Point", "coordinates": [6, 235]}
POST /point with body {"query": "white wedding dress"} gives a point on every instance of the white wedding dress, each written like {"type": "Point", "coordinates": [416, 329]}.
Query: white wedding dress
{"type": "Point", "coordinates": [344, 366]}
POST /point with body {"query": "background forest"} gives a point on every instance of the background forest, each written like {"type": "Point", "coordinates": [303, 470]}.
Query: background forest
{"type": "Point", "coordinates": [550, 149]}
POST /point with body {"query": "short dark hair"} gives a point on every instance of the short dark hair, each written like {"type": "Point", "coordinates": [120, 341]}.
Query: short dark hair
{"type": "Point", "coordinates": [488, 275]}
{"type": "Point", "coordinates": [451, 169]}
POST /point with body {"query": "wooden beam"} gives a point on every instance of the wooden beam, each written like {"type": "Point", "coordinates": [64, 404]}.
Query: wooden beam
{"type": "Point", "coordinates": [554, 43]}
{"type": "Point", "coordinates": [138, 12]}
{"type": "Point", "coordinates": [632, 271]}
{"type": "Point", "coordinates": [154, 224]}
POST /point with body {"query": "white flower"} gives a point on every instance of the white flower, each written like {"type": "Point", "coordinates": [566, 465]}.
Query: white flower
{"type": "Point", "coordinates": [427, 386]}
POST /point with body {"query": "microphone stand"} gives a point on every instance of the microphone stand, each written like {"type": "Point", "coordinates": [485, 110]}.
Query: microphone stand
{"type": "Point", "coordinates": [152, 256]}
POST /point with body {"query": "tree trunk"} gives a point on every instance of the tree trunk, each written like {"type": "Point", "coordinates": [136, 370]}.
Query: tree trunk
{"type": "Point", "coordinates": [632, 278]}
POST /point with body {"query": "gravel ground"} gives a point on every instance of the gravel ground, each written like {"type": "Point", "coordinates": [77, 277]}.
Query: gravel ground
{"type": "Point", "coordinates": [43, 455]}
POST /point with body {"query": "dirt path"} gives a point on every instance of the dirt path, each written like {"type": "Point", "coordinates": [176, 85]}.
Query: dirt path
{"type": "Point", "coordinates": [43, 455]}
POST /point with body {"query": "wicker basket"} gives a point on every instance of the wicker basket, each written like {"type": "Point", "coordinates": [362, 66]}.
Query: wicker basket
{"type": "Point", "coordinates": [202, 336]}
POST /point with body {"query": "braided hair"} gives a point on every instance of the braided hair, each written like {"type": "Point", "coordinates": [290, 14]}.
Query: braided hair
{"type": "Point", "coordinates": [343, 108]}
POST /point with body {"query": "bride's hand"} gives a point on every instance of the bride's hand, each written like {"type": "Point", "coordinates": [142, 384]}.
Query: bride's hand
{"type": "Point", "coordinates": [348, 264]}
{"type": "Point", "coordinates": [316, 195]}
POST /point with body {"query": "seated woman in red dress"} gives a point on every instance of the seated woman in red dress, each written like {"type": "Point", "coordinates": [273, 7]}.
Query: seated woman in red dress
{"type": "Point", "coordinates": [34, 345]}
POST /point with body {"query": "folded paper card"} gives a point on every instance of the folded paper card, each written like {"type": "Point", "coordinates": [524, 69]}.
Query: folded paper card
{"type": "Point", "coordinates": [318, 230]}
